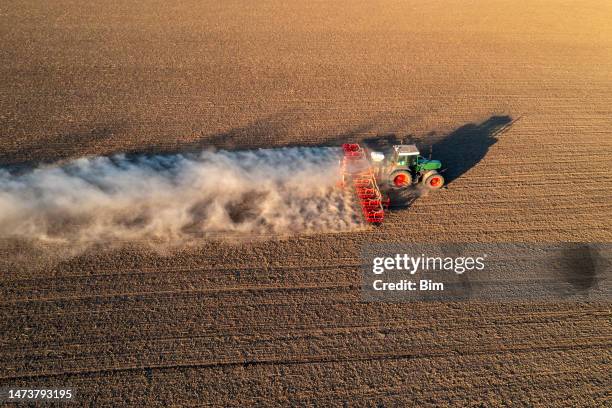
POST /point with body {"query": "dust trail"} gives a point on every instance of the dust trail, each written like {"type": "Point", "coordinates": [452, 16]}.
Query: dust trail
{"type": "Point", "coordinates": [175, 198]}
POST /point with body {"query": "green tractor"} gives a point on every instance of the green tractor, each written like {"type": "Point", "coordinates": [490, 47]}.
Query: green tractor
{"type": "Point", "coordinates": [377, 179]}
{"type": "Point", "coordinates": [405, 167]}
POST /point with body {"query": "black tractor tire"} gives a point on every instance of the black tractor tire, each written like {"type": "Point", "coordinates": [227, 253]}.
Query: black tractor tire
{"type": "Point", "coordinates": [400, 179]}
{"type": "Point", "coordinates": [433, 180]}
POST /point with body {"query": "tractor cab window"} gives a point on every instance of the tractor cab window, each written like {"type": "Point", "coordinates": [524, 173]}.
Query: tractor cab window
{"type": "Point", "coordinates": [402, 161]}
{"type": "Point", "coordinates": [407, 160]}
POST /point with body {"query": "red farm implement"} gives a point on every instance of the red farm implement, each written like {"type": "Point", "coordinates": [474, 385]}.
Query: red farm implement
{"type": "Point", "coordinates": [357, 173]}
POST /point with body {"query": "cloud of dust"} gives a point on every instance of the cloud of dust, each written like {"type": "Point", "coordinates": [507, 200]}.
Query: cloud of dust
{"type": "Point", "coordinates": [176, 198]}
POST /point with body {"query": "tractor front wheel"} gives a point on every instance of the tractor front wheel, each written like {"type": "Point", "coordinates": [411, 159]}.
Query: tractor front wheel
{"type": "Point", "coordinates": [434, 181]}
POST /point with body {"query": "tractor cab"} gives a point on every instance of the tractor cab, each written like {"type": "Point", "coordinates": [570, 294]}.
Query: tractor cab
{"type": "Point", "coordinates": [405, 155]}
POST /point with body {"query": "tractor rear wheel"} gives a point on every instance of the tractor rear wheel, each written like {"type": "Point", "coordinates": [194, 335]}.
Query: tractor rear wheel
{"type": "Point", "coordinates": [400, 179]}
{"type": "Point", "coordinates": [434, 181]}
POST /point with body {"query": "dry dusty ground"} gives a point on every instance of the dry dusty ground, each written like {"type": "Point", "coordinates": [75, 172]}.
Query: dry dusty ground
{"type": "Point", "coordinates": [281, 322]}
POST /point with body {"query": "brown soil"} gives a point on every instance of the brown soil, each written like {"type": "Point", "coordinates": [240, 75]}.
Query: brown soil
{"type": "Point", "coordinates": [281, 322]}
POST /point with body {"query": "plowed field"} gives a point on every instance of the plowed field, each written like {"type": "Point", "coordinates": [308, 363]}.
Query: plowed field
{"type": "Point", "coordinates": [280, 321]}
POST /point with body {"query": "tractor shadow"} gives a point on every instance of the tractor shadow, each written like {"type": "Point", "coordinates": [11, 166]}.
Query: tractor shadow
{"type": "Point", "coordinates": [466, 146]}
{"type": "Point", "coordinates": [459, 151]}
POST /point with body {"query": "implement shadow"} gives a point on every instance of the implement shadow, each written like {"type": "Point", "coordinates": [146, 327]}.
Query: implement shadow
{"type": "Point", "coordinates": [106, 140]}
{"type": "Point", "coordinates": [57, 148]}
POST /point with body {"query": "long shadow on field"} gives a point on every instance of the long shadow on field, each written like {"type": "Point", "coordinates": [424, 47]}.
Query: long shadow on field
{"type": "Point", "coordinates": [106, 139]}
{"type": "Point", "coordinates": [71, 144]}
{"type": "Point", "coordinates": [97, 139]}
{"type": "Point", "coordinates": [459, 151]}
{"type": "Point", "coordinates": [465, 147]}
{"type": "Point", "coordinates": [253, 135]}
